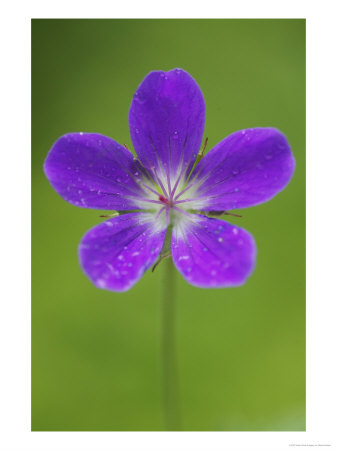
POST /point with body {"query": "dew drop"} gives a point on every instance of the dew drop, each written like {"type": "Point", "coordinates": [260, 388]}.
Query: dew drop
{"type": "Point", "coordinates": [236, 190]}
{"type": "Point", "coordinates": [235, 171]}
{"type": "Point", "coordinates": [268, 156]}
{"type": "Point", "coordinates": [101, 283]}
{"type": "Point", "coordinates": [175, 135]}
{"type": "Point", "coordinates": [205, 249]}
{"type": "Point", "coordinates": [137, 131]}
{"type": "Point", "coordinates": [235, 231]}
{"type": "Point", "coordinates": [213, 273]}
{"type": "Point", "coordinates": [130, 264]}
{"type": "Point", "coordinates": [183, 257]}
{"type": "Point", "coordinates": [162, 75]}
{"type": "Point", "coordinates": [220, 239]}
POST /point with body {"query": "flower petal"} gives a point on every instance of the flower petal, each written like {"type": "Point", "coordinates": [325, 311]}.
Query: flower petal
{"type": "Point", "coordinates": [166, 118]}
{"type": "Point", "coordinates": [213, 253]}
{"type": "Point", "coordinates": [116, 253]}
{"type": "Point", "coordinates": [247, 168]}
{"type": "Point", "coordinates": [93, 171]}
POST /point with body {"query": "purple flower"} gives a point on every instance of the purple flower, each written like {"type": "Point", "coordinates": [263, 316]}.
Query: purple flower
{"type": "Point", "coordinates": [165, 191]}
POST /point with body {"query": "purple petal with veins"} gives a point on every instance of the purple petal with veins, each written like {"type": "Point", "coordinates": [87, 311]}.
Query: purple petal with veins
{"type": "Point", "coordinates": [212, 253]}
{"type": "Point", "coordinates": [93, 171]}
{"type": "Point", "coordinates": [247, 168]}
{"type": "Point", "coordinates": [166, 119]}
{"type": "Point", "coordinates": [115, 254]}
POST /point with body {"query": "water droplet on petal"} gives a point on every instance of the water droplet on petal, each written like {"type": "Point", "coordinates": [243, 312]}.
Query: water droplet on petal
{"type": "Point", "coordinates": [220, 239]}
{"type": "Point", "coordinates": [268, 156]}
{"type": "Point", "coordinates": [183, 257]}
{"type": "Point", "coordinates": [101, 283]}
{"type": "Point", "coordinates": [175, 135]}
{"type": "Point", "coordinates": [236, 190]}
{"type": "Point", "coordinates": [137, 131]}
{"type": "Point", "coordinates": [235, 171]}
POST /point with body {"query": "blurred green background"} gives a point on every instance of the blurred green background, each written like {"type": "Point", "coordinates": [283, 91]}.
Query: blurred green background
{"type": "Point", "coordinates": [96, 354]}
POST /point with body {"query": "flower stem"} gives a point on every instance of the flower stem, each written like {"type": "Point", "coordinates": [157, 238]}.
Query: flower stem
{"type": "Point", "coordinates": [169, 359]}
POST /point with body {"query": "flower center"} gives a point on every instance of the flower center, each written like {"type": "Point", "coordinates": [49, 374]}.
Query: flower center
{"type": "Point", "coordinates": [166, 201]}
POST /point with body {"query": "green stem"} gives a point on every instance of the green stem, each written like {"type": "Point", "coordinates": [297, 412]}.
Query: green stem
{"type": "Point", "coordinates": [169, 361]}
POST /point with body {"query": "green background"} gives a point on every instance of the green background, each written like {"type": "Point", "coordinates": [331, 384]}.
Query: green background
{"type": "Point", "coordinates": [241, 351]}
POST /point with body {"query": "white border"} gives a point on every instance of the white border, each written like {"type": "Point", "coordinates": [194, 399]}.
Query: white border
{"type": "Point", "coordinates": [15, 431]}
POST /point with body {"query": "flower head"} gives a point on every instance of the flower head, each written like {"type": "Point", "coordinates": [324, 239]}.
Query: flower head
{"type": "Point", "coordinates": [166, 191]}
